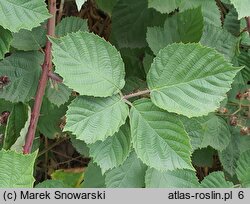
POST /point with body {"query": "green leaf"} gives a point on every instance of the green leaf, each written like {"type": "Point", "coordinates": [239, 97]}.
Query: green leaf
{"type": "Point", "coordinates": [129, 175]}
{"type": "Point", "coordinates": [159, 138]}
{"type": "Point", "coordinates": [242, 7]}
{"type": "Point", "coordinates": [16, 170]}
{"type": "Point", "coordinates": [133, 84]}
{"type": "Point", "coordinates": [231, 22]}
{"type": "Point", "coordinates": [245, 39]}
{"type": "Point", "coordinates": [113, 151]}
{"type": "Point", "coordinates": [22, 14]}
{"type": "Point", "coordinates": [239, 85]}
{"type": "Point", "coordinates": [147, 61]}
{"type": "Point", "coordinates": [69, 178]}
{"type": "Point", "coordinates": [209, 8]}
{"type": "Point", "coordinates": [50, 119]}
{"type": "Point", "coordinates": [30, 40]}
{"type": "Point", "coordinates": [130, 20]}
{"type": "Point", "coordinates": [4, 106]}
{"type": "Point", "coordinates": [80, 3]}
{"type": "Point", "coordinates": [216, 180]}
{"type": "Point", "coordinates": [5, 40]}
{"type": "Point", "coordinates": [92, 119]}
{"type": "Point", "coordinates": [180, 178]}
{"type": "Point", "coordinates": [223, 41]}
{"type": "Point", "coordinates": [23, 70]}
{"type": "Point", "coordinates": [80, 146]}
{"type": "Point", "coordinates": [207, 131]}
{"type": "Point", "coordinates": [229, 156]}
{"type": "Point", "coordinates": [244, 144]}
{"type": "Point", "coordinates": [243, 169]}
{"type": "Point", "coordinates": [189, 79]}
{"type": "Point", "coordinates": [183, 27]}
{"type": "Point", "coordinates": [93, 177]}
{"type": "Point", "coordinates": [88, 64]}
{"type": "Point", "coordinates": [132, 60]}
{"type": "Point", "coordinates": [20, 142]}
{"type": "Point", "coordinates": [71, 24]}
{"type": "Point", "coordinates": [203, 157]}
{"type": "Point", "coordinates": [165, 6]}
{"type": "Point", "coordinates": [244, 60]}
{"type": "Point", "coordinates": [106, 6]}
{"type": "Point", "coordinates": [58, 94]}
{"type": "Point", "coordinates": [51, 184]}
{"type": "Point", "coordinates": [16, 122]}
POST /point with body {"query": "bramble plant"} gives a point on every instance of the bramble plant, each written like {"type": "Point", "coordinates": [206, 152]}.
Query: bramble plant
{"type": "Point", "coordinates": [142, 93]}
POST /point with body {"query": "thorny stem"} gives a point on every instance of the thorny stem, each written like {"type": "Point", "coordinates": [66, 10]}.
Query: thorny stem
{"type": "Point", "coordinates": [46, 67]}
{"type": "Point", "coordinates": [139, 93]}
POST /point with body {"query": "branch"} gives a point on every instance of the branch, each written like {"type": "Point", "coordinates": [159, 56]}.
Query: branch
{"type": "Point", "coordinates": [55, 77]}
{"type": "Point", "coordinates": [46, 67]}
{"type": "Point", "coordinates": [248, 24]}
{"type": "Point", "coordinates": [139, 93]}
{"type": "Point", "coordinates": [60, 13]}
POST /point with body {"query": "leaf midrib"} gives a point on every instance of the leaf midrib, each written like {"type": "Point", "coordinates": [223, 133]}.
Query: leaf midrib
{"type": "Point", "coordinates": [188, 82]}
